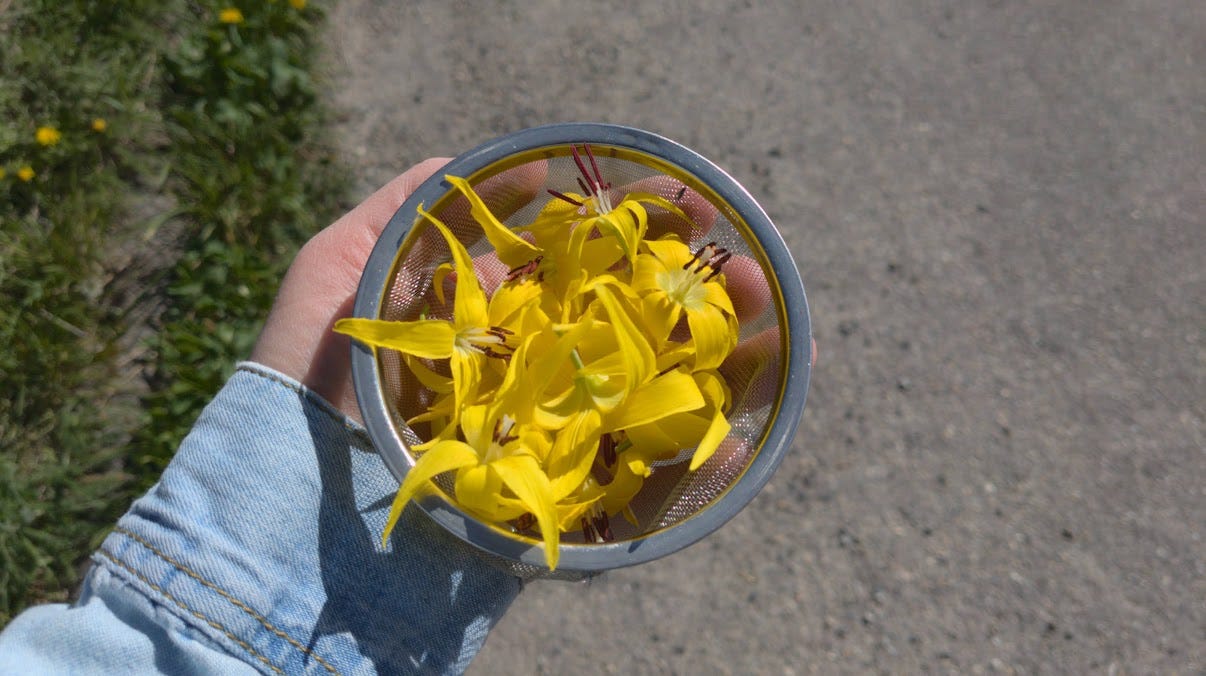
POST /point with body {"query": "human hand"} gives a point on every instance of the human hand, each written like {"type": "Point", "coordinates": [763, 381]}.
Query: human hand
{"type": "Point", "coordinates": [320, 288]}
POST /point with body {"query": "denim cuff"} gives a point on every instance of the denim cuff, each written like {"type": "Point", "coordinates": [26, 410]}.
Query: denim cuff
{"type": "Point", "coordinates": [264, 536]}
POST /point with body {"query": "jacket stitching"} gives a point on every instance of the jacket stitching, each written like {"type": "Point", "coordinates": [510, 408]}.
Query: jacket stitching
{"type": "Point", "coordinates": [195, 613]}
{"type": "Point", "coordinates": [229, 597]}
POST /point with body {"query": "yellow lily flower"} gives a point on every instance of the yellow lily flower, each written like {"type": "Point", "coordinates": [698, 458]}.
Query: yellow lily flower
{"type": "Point", "coordinates": [560, 256]}
{"type": "Point", "coordinates": [627, 221]}
{"type": "Point", "coordinates": [702, 427]}
{"type": "Point", "coordinates": [466, 341]}
{"type": "Point", "coordinates": [494, 454]}
{"type": "Point", "coordinates": [672, 281]}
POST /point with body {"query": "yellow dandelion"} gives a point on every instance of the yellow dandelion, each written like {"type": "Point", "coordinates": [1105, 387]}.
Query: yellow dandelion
{"type": "Point", "coordinates": [298, 4]}
{"type": "Point", "coordinates": [99, 124]}
{"type": "Point", "coordinates": [26, 173]}
{"type": "Point", "coordinates": [48, 136]}
{"type": "Point", "coordinates": [231, 15]}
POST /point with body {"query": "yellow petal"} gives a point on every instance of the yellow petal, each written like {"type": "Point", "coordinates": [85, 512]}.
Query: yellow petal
{"type": "Point", "coordinates": [557, 412]}
{"type": "Point", "coordinates": [714, 389]}
{"type": "Point", "coordinates": [437, 280]}
{"type": "Point", "coordinates": [569, 513]}
{"type": "Point", "coordinates": [608, 364]}
{"type": "Point", "coordinates": [667, 437]}
{"type": "Point", "coordinates": [665, 395]}
{"type": "Point", "coordinates": [466, 376]}
{"type": "Point", "coordinates": [713, 335]}
{"type": "Point", "coordinates": [672, 253]}
{"type": "Point", "coordinates": [718, 296]}
{"type": "Point", "coordinates": [639, 357]}
{"type": "Point", "coordinates": [656, 200]}
{"type": "Point", "coordinates": [512, 249]}
{"type": "Point", "coordinates": [596, 255]}
{"type": "Point", "coordinates": [523, 476]}
{"type": "Point", "coordinates": [546, 367]}
{"type": "Point", "coordinates": [660, 314]}
{"type": "Point", "coordinates": [442, 457]}
{"type": "Point", "coordinates": [573, 453]}
{"type": "Point", "coordinates": [630, 477]}
{"type": "Point", "coordinates": [673, 354]}
{"type": "Point", "coordinates": [469, 305]}
{"type": "Point", "coordinates": [716, 433]}
{"type": "Point", "coordinates": [477, 424]}
{"type": "Point", "coordinates": [535, 441]}
{"type": "Point", "coordinates": [627, 224]}
{"type": "Point", "coordinates": [644, 272]}
{"type": "Point", "coordinates": [511, 299]}
{"type": "Point", "coordinates": [428, 338]}
{"type": "Point", "coordinates": [479, 491]}
{"type": "Point", "coordinates": [554, 221]}
{"type": "Point", "coordinates": [428, 378]}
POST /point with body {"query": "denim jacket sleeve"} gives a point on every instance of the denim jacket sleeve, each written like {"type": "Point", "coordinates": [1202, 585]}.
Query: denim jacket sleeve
{"type": "Point", "coordinates": [260, 550]}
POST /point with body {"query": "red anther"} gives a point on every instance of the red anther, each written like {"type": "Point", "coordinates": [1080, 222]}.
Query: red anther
{"type": "Point", "coordinates": [565, 198]}
{"type": "Point", "coordinates": [607, 447]}
{"type": "Point", "coordinates": [716, 263]}
{"type": "Point", "coordinates": [710, 249]}
{"type": "Point", "coordinates": [591, 157]}
{"type": "Point", "coordinates": [581, 168]}
{"type": "Point", "coordinates": [603, 527]}
{"type": "Point", "coordinates": [523, 270]}
{"type": "Point", "coordinates": [505, 356]}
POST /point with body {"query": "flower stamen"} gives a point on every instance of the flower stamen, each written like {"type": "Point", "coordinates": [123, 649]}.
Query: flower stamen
{"type": "Point", "coordinates": [526, 269]}
{"type": "Point", "coordinates": [502, 431]}
{"type": "Point", "coordinates": [710, 256]}
{"type": "Point", "coordinates": [596, 527]}
{"type": "Point", "coordinates": [486, 340]}
{"type": "Point", "coordinates": [525, 521]}
{"type": "Point", "coordinates": [607, 450]}
{"type": "Point", "coordinates": [564, 198]}
{"type": "Point", "coordinates": [593, 185]}
{"type": "Point", "coordinates": [716, 263]}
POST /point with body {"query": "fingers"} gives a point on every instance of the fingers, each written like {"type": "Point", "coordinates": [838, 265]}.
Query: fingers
{"type": "Point", "coordinates": [700, 213]}
{"type": "Point", "coordinates": [747, 287]}
{"type": "Point", "coordinates": [752, 370]}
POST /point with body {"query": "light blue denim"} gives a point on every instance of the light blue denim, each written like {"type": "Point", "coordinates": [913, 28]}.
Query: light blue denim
{"type": "Point", "coordinates": [259, 550]}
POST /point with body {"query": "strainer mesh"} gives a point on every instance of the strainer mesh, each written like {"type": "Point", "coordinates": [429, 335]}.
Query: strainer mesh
{"type": "Point", "coordinates": [516, 193]}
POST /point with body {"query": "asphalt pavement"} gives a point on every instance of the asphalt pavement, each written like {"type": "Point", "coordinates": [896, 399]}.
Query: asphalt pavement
{"type": "Point", "coordinates": [999, 211]}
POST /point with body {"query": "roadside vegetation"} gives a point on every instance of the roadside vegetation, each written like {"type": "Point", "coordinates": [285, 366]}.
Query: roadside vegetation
{"type": "Point", "coordinates": [160, 162]}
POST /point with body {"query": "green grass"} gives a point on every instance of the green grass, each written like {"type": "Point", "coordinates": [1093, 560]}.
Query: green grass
{"type": "Point", "coordinates": [219, 120]}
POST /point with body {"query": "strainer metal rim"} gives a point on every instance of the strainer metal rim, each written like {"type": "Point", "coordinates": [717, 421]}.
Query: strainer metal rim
{"type": "Point", "coordinates": [796, 331]}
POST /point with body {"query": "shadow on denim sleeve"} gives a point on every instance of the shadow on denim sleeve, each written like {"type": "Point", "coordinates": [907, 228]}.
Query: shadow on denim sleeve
{"type": "Point", "coordinates": [424, 606]}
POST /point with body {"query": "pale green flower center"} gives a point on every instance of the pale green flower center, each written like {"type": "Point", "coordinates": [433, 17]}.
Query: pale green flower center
{"type": "Point", "coordinates": [685, 287]}
{"type": "Point", "coordinates": [492, 341]}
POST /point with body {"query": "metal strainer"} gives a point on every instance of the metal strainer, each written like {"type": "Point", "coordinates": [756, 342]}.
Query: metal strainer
{"type": "Point", "coordinates": [768, 373]}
